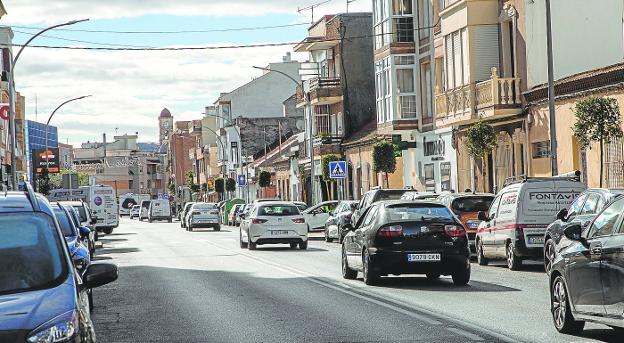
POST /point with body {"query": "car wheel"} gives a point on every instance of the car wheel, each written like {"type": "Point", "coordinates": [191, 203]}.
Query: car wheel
{"type": "Point", "coordinates": [347, 272]}
{"type": "Point", "coordinates": [190, 228]}
{"type": "Point", "coordinates": [294, 245]}
{"type": "Point", "coordinates": [371, 277]}
{"type": "Point", "coordinates": [97, 236]}
{"type": "Point", "coordinates": [303, 245]}
{"type": "Point", "coordinates": [108, 231]}
{"type": "Point", "coordinates": [170, 220]}
{"type": "Point", "coordinates": [513, 261]}
{"type": "Point", "coordinates": [252, 245]}
{"type": "Point", "coordinates": [481, 259]}
{"type": "Point", "coordinates": [243, 245]}
{"type": "Point", "coordinates": [560, 308]}
{"type": "Point", "coordinates": [433, 276]}
{"type": "Point", "coordinates": [462, 277]}
{"type": "Point", "coordinates": [327, 238]}
{"type": "Point", "coordinates": [217, 228]}
{"type": "Point", "coordinates": [90, 299]}
{"type": "Point", "coordinates": [549, 255]}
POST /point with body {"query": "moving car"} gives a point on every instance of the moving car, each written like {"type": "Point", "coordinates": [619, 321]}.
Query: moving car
{"type": "Point", "coordinates": [514, 226]}
{"type": "Point", "coordinates": [202, 214]}
{"type": "Point", "coordinates": [399, 237]}
{"type": "Point", "coordinates": [587, 276]}
{"type": "Point", "coordinates": [339, 221]}
{"type": "Point", "coordinates": [466, 206]}
{"type": "Point", "coordinates": [372, 197]}
{"type": "Point", "coordinates": [274, 222]}
{"type": "Point", "coordinates": [38, 278]}
{"type": "Point", "coordinates": [159, 210]}
{"type": "Point", "coordinates": [582, 211]}
{"type": "Point", "coordinates": [134, 212]}
{"type": "Point", "coordinates": [302, 205]}
{"type": "Point", "coordinates": [144, 212]}
{"type": "Point", "coordinates": [183, 213]}
{"type": "Point", "coordinates": [317, 215]}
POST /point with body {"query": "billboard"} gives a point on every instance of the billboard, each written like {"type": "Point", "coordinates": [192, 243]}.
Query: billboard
{"type": "Point", "coordinates": [39, 160]}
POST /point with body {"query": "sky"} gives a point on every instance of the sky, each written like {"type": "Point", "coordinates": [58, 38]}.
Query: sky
{"type": "Point", "coordinates": [130, 88]}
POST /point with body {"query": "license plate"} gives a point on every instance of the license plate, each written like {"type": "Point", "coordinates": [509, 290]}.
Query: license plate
{"type": "Point", "coordinates": [423, 257]}
{"type": "Point", "coordinates": [535, 239]}
{"type": "Point", "coordinates": [279, 233]}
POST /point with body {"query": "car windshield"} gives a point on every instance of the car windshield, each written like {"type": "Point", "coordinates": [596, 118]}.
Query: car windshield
{"type": "Point", "coordinates": [418, 212]}
{"type": "Point", "coordinates": [472, 204]}
{"type": "Point", "coordinates": [278, 210]}
{"type": "Point", "coordinates": [146, 204]}
{"type": "Point", "coordinates": [67, 227]}
{"type": "Point", "coordinates": [205, 207]}
{"type": "Point", "coordinates": [81, 213]}
{"type": "Point", "coordinates": [30, 253]}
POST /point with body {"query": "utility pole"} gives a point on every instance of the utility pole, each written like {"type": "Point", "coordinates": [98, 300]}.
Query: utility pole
{"type": "Point", "coordinates": [551, 92]}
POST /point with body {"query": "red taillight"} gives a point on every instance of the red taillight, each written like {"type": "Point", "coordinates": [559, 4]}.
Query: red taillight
{"type": "Point", "coordinates": [298, 220]}
{"type": "Point", "coordinates": [392, 231]}
{"type": "Point", "coordinates": [258, 221]}
{"type": "Point", "coordinates": [454, 230]}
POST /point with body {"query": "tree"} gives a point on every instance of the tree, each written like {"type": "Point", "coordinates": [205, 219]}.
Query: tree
{"type": "Point", "coordinates": [597, 120]}
{"type": "Point", "coordinates": [230, 185]}
{"type": "Point", "coordinates": [384, 159]}
{"type": "Point", "coordinates": [204, 187]}
{"type": "Point", "coordinates": [265, 179]}
{"type": "Point", "coordinates": [190, 182]}
{"type": "Point", "coordinates": [220, 185]}
{"type": "Point", "coordinates": [172, 187]}
{"type": "Point", "coordinates": [43, 183]}
{"type": "Point", "coordinates": [481, 139]}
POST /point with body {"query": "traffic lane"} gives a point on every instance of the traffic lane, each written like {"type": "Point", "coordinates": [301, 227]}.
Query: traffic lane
{"type": "Point", "coordinates": [190, 293]}
{"type": "Point", "coordinates": [514, 303]}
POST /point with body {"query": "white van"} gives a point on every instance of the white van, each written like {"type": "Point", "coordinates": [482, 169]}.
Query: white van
{"type": "Point", "coordinates": [514, 227]}
{"type": "Point", "coordinates": [159, 210]}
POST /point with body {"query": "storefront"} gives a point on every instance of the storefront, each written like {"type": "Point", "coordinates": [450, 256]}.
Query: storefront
{"type": "Point", "coordinates": [433, 162]}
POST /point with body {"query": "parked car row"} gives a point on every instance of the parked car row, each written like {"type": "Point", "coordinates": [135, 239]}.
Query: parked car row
{"type": "Point", "coordinates": [46, 269]}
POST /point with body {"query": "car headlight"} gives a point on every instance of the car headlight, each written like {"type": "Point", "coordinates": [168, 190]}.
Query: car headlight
{"type": "Point", "coordinates": [60, 329]}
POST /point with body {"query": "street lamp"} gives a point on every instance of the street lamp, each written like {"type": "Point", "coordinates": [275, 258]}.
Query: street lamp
{"type": "Point", "coordinates": [11, 81]}
{"type": "Point", "coordinates": [310, 123]}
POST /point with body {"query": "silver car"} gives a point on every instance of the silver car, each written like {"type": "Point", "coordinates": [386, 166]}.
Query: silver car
{"type": "Point", "coordinates": [203, 214]}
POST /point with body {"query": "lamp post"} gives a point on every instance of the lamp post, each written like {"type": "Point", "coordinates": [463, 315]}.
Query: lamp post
{"type": "Point", "coordinates": [11, 79]}
{"type": "Point", "coordinates": [310, 123]}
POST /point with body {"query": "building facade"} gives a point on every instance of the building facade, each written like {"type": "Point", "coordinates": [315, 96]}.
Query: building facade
{"type": "Point", "coordinates": [35, 136]}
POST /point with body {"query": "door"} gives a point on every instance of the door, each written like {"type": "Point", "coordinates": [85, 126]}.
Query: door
{"type": "Point", "coordinates": [485, 235]}
{"type": "Point", "coordinates": [352, 239]}
{"type": "Point", "coordinates": [584, 262]}
{"type": "Point", "coordinates": [506, 222]}
{"type": "Point", "coordinates": [612, 270]}
{"type": "Point", "coordinates": [361, 232]}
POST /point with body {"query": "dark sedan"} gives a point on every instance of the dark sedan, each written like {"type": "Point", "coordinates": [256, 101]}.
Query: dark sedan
{"type": "Point", "coordinates": [339, 221]}
{"type": "Point", "coordinates": [587, 277]}
{"type": "Point", "coordinates": [582, 211]}
{"type": "Point", "coordinates": [399, 237]}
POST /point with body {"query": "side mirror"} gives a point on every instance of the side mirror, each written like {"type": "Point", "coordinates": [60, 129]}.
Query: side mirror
{"type": "Point", "coordinates": [562, 215]}
{"type": "Point", "coordinates": [243, 216]}
{"type": "Point", "coordinates": [99, 274]}
{"type": "Point", "coordinates": [573, 232]}
{"type": "Point", "coordinates": [84, 232]}
{"type": "Point", "coordinates": [483, 216]}
{"type": "Point", "coordinates": [93, 220]}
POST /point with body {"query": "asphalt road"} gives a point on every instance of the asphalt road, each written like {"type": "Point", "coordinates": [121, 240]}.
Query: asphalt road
{"type": "Point", "coordinates": [178, 286]}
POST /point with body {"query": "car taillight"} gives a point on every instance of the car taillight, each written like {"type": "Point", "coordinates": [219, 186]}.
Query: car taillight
{"type": "Point", "coordinates": [258, 221]}
{"type": "Point", "coordinates": [392, 231]}
{"type": "Point", "coordinates": [298, 220]}
{"type": "Point", "coordinates": [454, 230]}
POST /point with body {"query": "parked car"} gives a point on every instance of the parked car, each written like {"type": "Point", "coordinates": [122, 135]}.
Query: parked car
{"type": "Point", "coordinates": [514, 227]}
{"type": "Point", "coordinates": [241, 215]}
{"type": "Point", "coordinates": [587, 276]}
{"type": "Point", "coordinates": [302, 205]}
{"type": "Point", "coordinates": [134, 211]}
{"type": "Point", "coordinates": [414, 195]}
{"type": "Point", "coordinates": [184, 212]}
{"type": "Point", "coordinates": [372, 197]}
{"type": "Point", "coordinates": [339, 221]}
{"type": "Point", "coordinates": [233, 212]}
{"type": "Point", "coordinates": [237, 215]}
{"type": "Point", "coordinates": [399, 237]}
{"type": "Point", "coordinates": [86, 215]}
{"type": "Point", "coordinates": [87, 235]}
{"type": "Point", "coordinates": [78, 248]}
{"type": "Point", "coordinates": [317, 215]}
{"type": "Point", "coordinates": [274, 222]}
{"type": "Point", "coordinates": [582, 211]}
{"type": "Point", "coordinates": [144, 212]}
{"type": "Point", "coordinates": [466, 206]}
{"type": "Point", "coordinates": [203, 214]}
{"type": "Point", "coordinates": [159, 210]}
{"type": "Point", "coordinates": [39, 278]}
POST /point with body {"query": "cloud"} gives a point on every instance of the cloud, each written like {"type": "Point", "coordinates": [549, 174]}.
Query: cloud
{"type": "Point", "coordinates": [47, 11]}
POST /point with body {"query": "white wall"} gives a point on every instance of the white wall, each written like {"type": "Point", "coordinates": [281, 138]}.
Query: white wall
{"type": "Point", "coordinates": [587, 34]}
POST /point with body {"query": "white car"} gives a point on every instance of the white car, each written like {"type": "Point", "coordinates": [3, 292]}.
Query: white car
{"type": "Point", "coordinates": [274, 222]}
{"type": "Point", "coordinates": [316, 216]}
{"type": "Point", "coordinates": [134, 211]}
{"type": "Point", "coordinates": [202, 214]}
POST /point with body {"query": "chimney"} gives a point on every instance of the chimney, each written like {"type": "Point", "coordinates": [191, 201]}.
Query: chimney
{"type": "Point", "coordinates": [287, 58]}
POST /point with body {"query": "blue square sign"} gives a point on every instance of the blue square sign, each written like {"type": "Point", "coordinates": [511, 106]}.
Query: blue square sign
{"type": "Point", "coordinates": [338, 170]}
{"type": "Point", "coordinates": [242, 181]}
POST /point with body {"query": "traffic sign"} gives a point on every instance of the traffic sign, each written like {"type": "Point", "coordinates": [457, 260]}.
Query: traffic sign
{"type": "Point", "coordinates": [338, 170]}
{"type": "Point", "coordinates": [242, 181]}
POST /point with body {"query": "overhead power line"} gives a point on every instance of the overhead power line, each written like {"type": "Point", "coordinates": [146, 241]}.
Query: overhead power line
{"type": "Point", "coordinates": [88, 42]}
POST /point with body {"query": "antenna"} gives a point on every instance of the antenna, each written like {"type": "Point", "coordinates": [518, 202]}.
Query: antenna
{"type": "Point", "coordinates": [348, 2]}
{"type": "Point", "coordinates": [312, 7]}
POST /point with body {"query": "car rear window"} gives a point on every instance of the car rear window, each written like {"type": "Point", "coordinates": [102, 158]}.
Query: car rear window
{"type": "Point", "coordinates": [145, 204]}
{"type": "Point", "coordinates": [66, 226]}
{"type": "Point", "coordinates": [205, 207]}
{"type": "Point", "coordinates": [278, 210]}
{"type": "Point", "coordinates": [81, 213]}
{"type": "Point", "coordinates": [418, 212]}
{"type": "Point", "coordinates": [389, 195]}
{"type": "Point", "coordinates": [472, 204]}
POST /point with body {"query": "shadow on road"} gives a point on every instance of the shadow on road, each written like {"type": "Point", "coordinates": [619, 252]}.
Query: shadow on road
{"type": "Point", "coordinates": [121, 234]}
{"type": "Point", "coordinates": [107, 251]}
{"type": "Point", "coordinates": [287, 249]}
{"type": "Point", "coordinates": [443, 284]}
{"type": "Point", "coordinates": [196, 230]}
{"type": "Point", "coordinates": [534, 267]}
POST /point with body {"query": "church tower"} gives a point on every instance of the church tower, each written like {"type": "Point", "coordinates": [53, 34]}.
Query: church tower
{"type": "Point", "coordinates": [165, 125]}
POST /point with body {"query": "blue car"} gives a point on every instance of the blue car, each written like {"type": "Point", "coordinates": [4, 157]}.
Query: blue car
{"type": "Point", "coordinates": [43, 296]}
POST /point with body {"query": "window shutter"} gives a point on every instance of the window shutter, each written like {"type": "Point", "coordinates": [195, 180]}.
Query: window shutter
{"type": "Point", "coordinates": [457, 60]}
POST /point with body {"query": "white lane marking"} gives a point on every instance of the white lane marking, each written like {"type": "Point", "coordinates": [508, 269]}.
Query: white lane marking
{"type": "Point", "coordinates": [466, 334]}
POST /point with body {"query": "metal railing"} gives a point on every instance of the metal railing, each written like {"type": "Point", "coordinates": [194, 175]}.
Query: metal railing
{"type": "Point", "coordinates": [324, 82]}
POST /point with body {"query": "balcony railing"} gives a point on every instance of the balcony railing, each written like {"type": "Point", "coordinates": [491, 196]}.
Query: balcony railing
{"type": "Point", "coordinates": [465, 102]}
{"type": "Point", "coordinates": [324, 82]}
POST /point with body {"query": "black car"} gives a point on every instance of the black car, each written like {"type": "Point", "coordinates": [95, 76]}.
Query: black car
{"type": "Point", "coordinates": [45, 297]}
{"type": "Point", "coordinates": [587, 276]}
{"type": "Point", "coordinates": [399, 237]}
{"type": "Point", "coordinates": [339, 221]}
{"type": "Point", "coordinates": [581, 211]}
{"type": "Point", "coordinates": [372, 197]}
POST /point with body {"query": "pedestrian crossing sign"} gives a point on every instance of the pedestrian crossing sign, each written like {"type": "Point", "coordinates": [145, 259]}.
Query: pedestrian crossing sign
{"type": "Point", "coordinates": [338, 170]}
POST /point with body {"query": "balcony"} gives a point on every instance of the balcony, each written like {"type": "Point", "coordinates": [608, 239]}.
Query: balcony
{"type": "Point", "coordinates": [496, 97]}
{"type": "Point", "coordinates": [325, 91]}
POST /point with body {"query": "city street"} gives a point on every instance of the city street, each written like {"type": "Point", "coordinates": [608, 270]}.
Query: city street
{"type": "Point", "coordinates": [201, 287]}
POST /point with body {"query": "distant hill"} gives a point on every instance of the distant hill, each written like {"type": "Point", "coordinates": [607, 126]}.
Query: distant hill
{"type": "Point", "coordinates": [148, 147]}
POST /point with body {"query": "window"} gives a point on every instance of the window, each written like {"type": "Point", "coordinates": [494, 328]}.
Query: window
{"type": "Point", "coordinates": [591, 204]}
{"type": "Point", "coordinates": [430, 177]}
{"type": "Point", "coordinates": [605, 223]}
{"type": "Point", "coordinates": [445, 174]}
{"type": "Point", "coordinates": [405, 80]}
{"type": "Point", "coordinates": [370, 216]}
{"type": "Point", "coordinates": [402, 7]}
{"type": "Point", "coordinates": [494, 207]}
{"type": "Point", "coordinates": [403, 30]}
{"type": "Point", "coordinates": [424, 20]}
{"type": "Point", "coordinates": [425, 90]}
{"type": "Point", "coordinates": [576, 206]}
{"type": "Point", "coordinates": [407, 106]}
{"type": "Point", "coordinates": [541, 149]}
{"type": "Point", "coordinates": [456, 59]}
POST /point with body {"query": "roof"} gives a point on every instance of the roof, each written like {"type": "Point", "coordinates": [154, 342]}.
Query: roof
{"type": "Point", "coordinates": [365, 135]}
{"type": "Point", "coordinates": [276, 153]}
{"type": "Point", "coordinates": [165, 113]}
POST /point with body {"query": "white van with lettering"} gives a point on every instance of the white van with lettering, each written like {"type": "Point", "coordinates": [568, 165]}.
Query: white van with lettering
{"type": "Point", "coordinates": [514, 227]}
